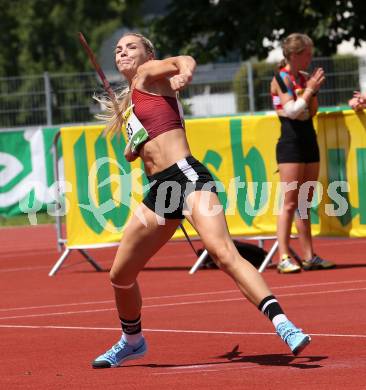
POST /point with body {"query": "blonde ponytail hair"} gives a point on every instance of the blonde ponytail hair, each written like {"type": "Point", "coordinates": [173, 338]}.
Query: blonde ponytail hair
{"type": "Point", "coordinates": [112, 115]}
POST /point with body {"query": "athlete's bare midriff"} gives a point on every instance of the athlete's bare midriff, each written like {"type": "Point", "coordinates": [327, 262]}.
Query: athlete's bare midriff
{"type": "Point", "coordinates": [164, 150]}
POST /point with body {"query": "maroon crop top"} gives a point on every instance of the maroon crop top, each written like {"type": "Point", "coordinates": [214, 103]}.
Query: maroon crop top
{"type": "Point", "coordinates": [158, 114]}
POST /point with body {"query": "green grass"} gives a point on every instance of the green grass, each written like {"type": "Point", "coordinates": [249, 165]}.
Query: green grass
{"type": "Point", "coordinates": [23, 220]}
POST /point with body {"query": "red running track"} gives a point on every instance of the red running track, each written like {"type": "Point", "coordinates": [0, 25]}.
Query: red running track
{"type": "Point", "coordinates": [201, 333]}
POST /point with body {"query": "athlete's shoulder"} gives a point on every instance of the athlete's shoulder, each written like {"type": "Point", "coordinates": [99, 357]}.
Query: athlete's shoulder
{"type": "Point", "coordinates": [284, 81]}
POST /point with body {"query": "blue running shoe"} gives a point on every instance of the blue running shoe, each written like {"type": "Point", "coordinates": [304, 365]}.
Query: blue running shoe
{"type": "Point", "coordinates": [292, 336]}
{"type": "Point", "coordinates": [119, 353]}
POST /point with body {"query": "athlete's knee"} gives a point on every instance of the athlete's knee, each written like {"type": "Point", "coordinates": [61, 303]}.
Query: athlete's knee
{"type": "Point", "coordinates": [290, 206]}
{"type": "Point", "coordinates": [223, 255]}
{"type": "Point", "coordinates": [121, 280]}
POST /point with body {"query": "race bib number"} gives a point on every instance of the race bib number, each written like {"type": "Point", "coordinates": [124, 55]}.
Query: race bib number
{"type": "Point", "coordinates": [136, 133]}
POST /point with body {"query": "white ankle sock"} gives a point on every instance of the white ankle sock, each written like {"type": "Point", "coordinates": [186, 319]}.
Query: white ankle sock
{"type": "Point", "coordinates": [278, 319]}
{"type": "Point", "coordinates": [132, 339]}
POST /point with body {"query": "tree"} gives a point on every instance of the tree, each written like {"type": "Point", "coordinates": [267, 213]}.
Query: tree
{"type": "Point", "coordinates": [209, 29]}
{"type": "Point", "coordinates": [41, 35]}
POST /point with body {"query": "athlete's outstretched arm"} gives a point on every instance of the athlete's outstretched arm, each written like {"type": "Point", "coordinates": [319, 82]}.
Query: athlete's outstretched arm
{"type": "Point", "coordinates": [180, 69]}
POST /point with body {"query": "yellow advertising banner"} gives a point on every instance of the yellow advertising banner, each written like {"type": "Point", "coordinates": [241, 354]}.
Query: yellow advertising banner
{"type": "Point", "coordinates": [240, 153]}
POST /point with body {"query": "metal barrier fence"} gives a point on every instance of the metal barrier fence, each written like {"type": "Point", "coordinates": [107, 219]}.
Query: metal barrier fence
{"type": "Point", "coordinates": [48, 99]}
{"type": "Point", "coordinates": [217, 89]}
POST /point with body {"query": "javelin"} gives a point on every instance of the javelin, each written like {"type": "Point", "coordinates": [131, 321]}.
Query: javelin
{"type": "Point", "coordinates": [107, 87]}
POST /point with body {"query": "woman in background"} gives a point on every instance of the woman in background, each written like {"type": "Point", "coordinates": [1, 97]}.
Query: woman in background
{"type": "Point", "coordinates": [294, 95]}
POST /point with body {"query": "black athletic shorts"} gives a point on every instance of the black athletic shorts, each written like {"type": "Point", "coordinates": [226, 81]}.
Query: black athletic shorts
{"type": "Point", "coordinates": [170, 187]}
{"type": "Point", "coordinates": [298, 142]}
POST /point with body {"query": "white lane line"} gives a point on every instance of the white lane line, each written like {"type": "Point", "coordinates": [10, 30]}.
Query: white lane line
{"type": "Point", "coordinates": [184, 295]}
{"type": "Point", "coordinates": [59, 327]}
{"type": "Point", "coordinates": [212, 332]}
{"type": "Point", "coordinates": [59, 305]}
{"type": "Point", "coordinates": [296, 294]}
{"type": "Point", "coordinates": [65, 313]}
{"type": "Point", "coordinates": [184, 256]}
{"type": "Point", "coordinates": [23, 269]}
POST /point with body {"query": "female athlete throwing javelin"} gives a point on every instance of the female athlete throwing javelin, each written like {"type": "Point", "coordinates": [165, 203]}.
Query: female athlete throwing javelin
{"type": "Point", "coordinates": [180, 186]}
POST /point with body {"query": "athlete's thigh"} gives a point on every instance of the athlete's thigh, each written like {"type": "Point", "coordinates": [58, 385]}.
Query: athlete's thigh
{"type": "Point", "coordinates": [291, 178]}
{"type": "Point", "coordinates": [290, 172]}
{"type": "Point", "coordinates": [207, 216]}
{"type": "Point", "coordinates": [311, 172]}
{"type": "Point", "coordinates": [143, 236]}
